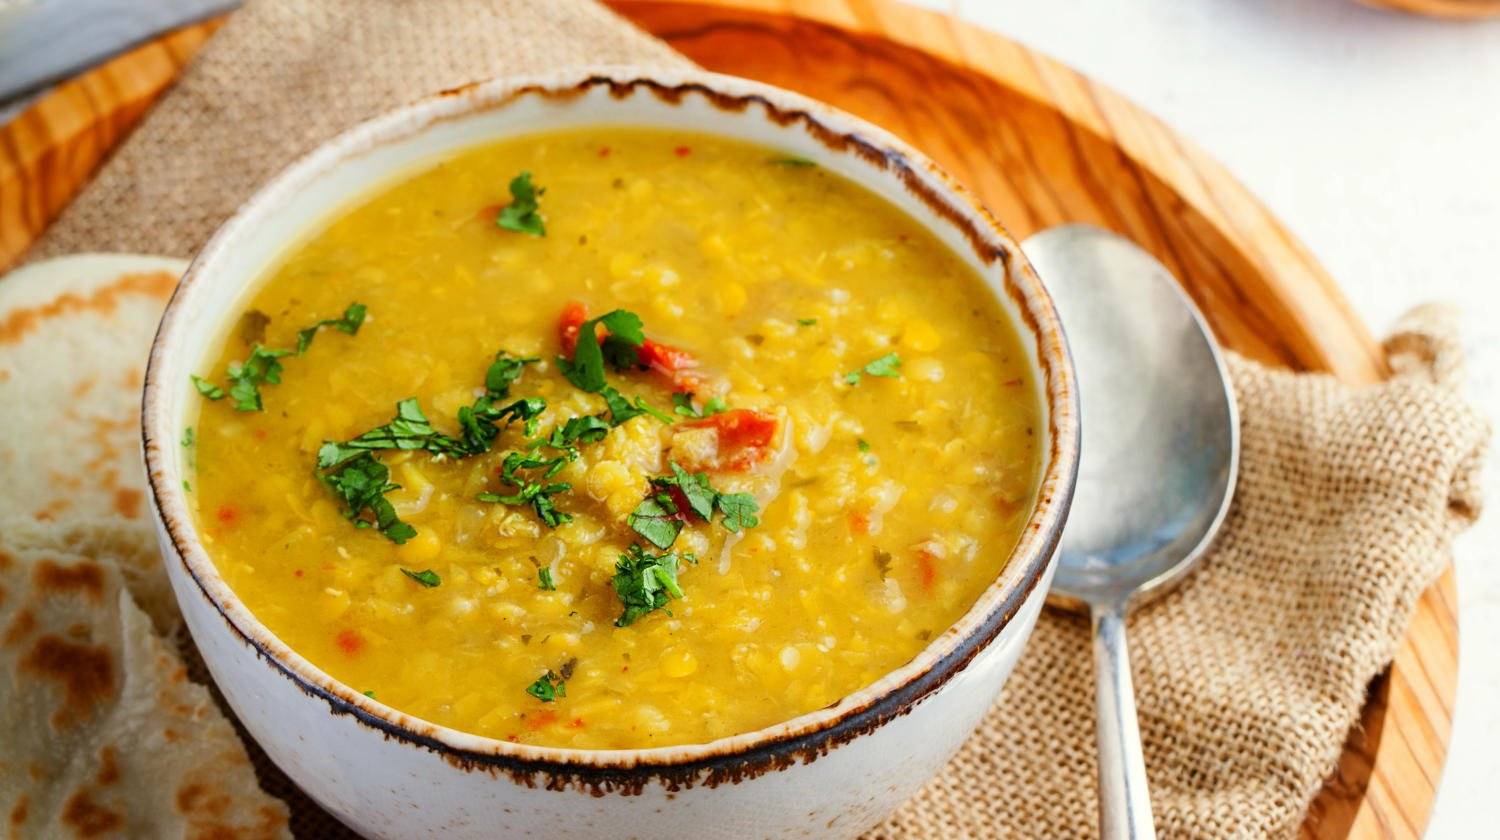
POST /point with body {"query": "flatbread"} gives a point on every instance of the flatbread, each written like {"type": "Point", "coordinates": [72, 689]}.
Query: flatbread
{"type": "Point", "coordinates": [101, 732]}
{"type": "Point", "coordinates": [74, 337]}
{"type": "Point", "coordinates": [75, 333]}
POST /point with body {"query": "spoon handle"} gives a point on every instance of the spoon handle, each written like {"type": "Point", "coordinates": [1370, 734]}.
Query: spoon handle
{"type": "Point", "coordinates": [1124, 800]}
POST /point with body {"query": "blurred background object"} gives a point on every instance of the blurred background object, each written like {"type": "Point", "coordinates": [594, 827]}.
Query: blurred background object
{"type": "Point", "coordinates": [42, 41]}
{"type": "Point", "coordinates": [1457, 9]}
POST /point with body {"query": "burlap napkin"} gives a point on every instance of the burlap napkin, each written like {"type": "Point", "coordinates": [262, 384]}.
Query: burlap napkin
{"type": "Point", "coordinates": [1249, 676]}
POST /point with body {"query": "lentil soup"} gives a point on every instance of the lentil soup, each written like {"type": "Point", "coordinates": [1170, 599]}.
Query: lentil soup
{"type": "Point", "coordinates": [615, 438]}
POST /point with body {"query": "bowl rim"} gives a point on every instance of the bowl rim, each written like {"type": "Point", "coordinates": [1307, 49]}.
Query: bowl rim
{"type": "Point", "coordinates": [802, 738]}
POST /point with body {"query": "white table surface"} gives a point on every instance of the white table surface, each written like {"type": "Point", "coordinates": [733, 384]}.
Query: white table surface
{"type": "Point", "coordinates": [1375, 137]}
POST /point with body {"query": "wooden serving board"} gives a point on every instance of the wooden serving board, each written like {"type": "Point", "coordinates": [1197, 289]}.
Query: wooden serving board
{"type": "Point", "coordinates": [1041, 145]}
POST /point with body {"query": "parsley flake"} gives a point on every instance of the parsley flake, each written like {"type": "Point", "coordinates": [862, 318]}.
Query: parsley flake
{"type": "Point", "coordinates": [888, 366]}
{"type": "Point", "coordinates": [522, 214]}
{"type": "Point", "coordinates": [792, 162]}
{"type": "Point", "coordinates": [806, 322]}
{"type": "Point", "coordinates": [544, 579]}
{"type": "Point", "coordinates": [864, 445]}
{"type": "Point", "coordinates": [426, 577]}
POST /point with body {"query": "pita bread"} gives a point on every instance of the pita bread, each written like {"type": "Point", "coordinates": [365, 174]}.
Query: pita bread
{"type": "Point", "coordinates": [101, 732]}
{"type": "Point", "coordinates": [75, 333]}
{"type": "Point", "coordinates": [74, 337]}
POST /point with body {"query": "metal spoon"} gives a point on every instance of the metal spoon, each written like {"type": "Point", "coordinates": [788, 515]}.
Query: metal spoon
{"type": "Point", "coordinates": [1159, 456]}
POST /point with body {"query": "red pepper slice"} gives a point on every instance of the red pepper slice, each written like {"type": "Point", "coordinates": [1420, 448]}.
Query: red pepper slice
{"type": "Point", "coordinates": [745, 437]}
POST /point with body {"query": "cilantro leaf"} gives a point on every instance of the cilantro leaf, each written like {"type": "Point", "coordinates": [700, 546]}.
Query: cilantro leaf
{"type": "Point", "coordinates": [646, 408]}
{"type": "Point", "coordinates": [862, 444]}
{"type": "Point", "coordinates": [522, 214]}
{"type": "Point", "coordinates": [657, 519]}
{"type": "Point", "coordinates": [548, 687]}
{"type": "Point", "coordinates": [208, 389]}
{"type": "Point", "coordinates": [263, 366]}
{"type": "Point", "coordinates": [544, 579]}
{"type": "Point", "coordinates": [739, 511]}
{"type": "Point", "coordinates": [792, 162]}
{"type": "Point", "coordinates": [503, 373]}
{"type": "Point", "coordinates": [683, 404]}
{"type": "Point", "coordinates": [700, 495]}
{"type": "Point", "coordinates": [586, 369]}
{"type": "Point", "coordinates": [620, 409]}
{"type": "Point", "coordinates": [349, 323]}
{"type": "Point", "coordinates": [409, 430]}
{"type": "Point", "coordinates": [806, 322]}
{"type": "Point", "coordinates": [645, 583]}
{"type": "Point", "coordinates": [187, 437]}
{"type": "Point", "coordinates": [888, 365]}
{"type": "Point", "coordinates": [426, 577]}
{"type": "Point", "coordinates": [532, 490]}
{"type": "Point", "coordinates": [362, 483]}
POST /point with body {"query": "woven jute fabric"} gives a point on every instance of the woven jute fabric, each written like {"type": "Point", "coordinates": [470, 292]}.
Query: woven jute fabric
{"type": "Point", "coordinates": [1250, 675]}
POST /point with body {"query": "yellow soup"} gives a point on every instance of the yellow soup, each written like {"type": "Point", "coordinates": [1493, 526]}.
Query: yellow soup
{"type": "Point", "coordinates": [839, 454]}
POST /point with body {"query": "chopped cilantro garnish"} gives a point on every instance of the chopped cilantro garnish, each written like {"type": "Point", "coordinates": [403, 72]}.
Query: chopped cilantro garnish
{"type": "Point", "coordinates": [644, 406]}
{"type": "Point", "coordinates": [548, 687]}
{"type": "Point", "coordinates": [532, 491]}
{"type": "Point", "coordinates": [586, 369]}
{"type": "Point", "coordinates": [544, 579]}
{"type": "Point", "coordinates": [583, 429]}
{"type": "Point", "coordinates": [806, 322]}
{"type": "Point", "coordinates": [659, 520]}
{"type": "Point", "coordinates": [186, 488]}
{"type": "Point", "coordinates": [864, 445]}
{"type": "Point", "coordinates": [362, 482]}
{"type": "Point", "coordinates": [187, 437]}
{"type": "Point", "coordinates": [370, 694]}
{"type": "Point", "coordinates": [683, 404]}
{"type": "Point", "coordinates": [426, 577]}
{"type": "Point", "coordinates": [349, 323]}
{"type": "Point", "coordinates": [645, 582]}
{"type": "Point", "coordinates": [792, 161]}
{"type": "Point", "coordinates": [739, 511]}
{"type": "Point", "coordinates": [262, 367]}
{"type": "Point", "coordinates": [503, 373]}
{"type": "Point", "coordinates": [888, 365]}
{"type": "Point", "coordinates": [522, 214]}
{"type": "Point", "coordinates": [409, 430]}
{"type": "Point", "coordinates": [207, 389]}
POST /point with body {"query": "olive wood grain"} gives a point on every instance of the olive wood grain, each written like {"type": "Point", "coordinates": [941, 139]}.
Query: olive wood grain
{"type": "Point", "coordinates": [1041, 145]}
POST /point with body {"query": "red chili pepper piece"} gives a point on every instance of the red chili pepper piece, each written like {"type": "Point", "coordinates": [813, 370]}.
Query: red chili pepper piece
{"type": "Point", "coordinates": [745, 437]}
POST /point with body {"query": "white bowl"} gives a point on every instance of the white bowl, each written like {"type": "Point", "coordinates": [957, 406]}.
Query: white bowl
{"type": "Point", "coordinates": [833, 772]}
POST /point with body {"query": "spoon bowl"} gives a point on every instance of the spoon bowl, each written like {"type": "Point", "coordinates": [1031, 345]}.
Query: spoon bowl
{"type": "Point", "coordinates": [1157, 469]}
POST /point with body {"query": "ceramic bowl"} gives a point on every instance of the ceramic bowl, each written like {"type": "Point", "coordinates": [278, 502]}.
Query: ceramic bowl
{"type": "Point", "coordinates": [832, 772]}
